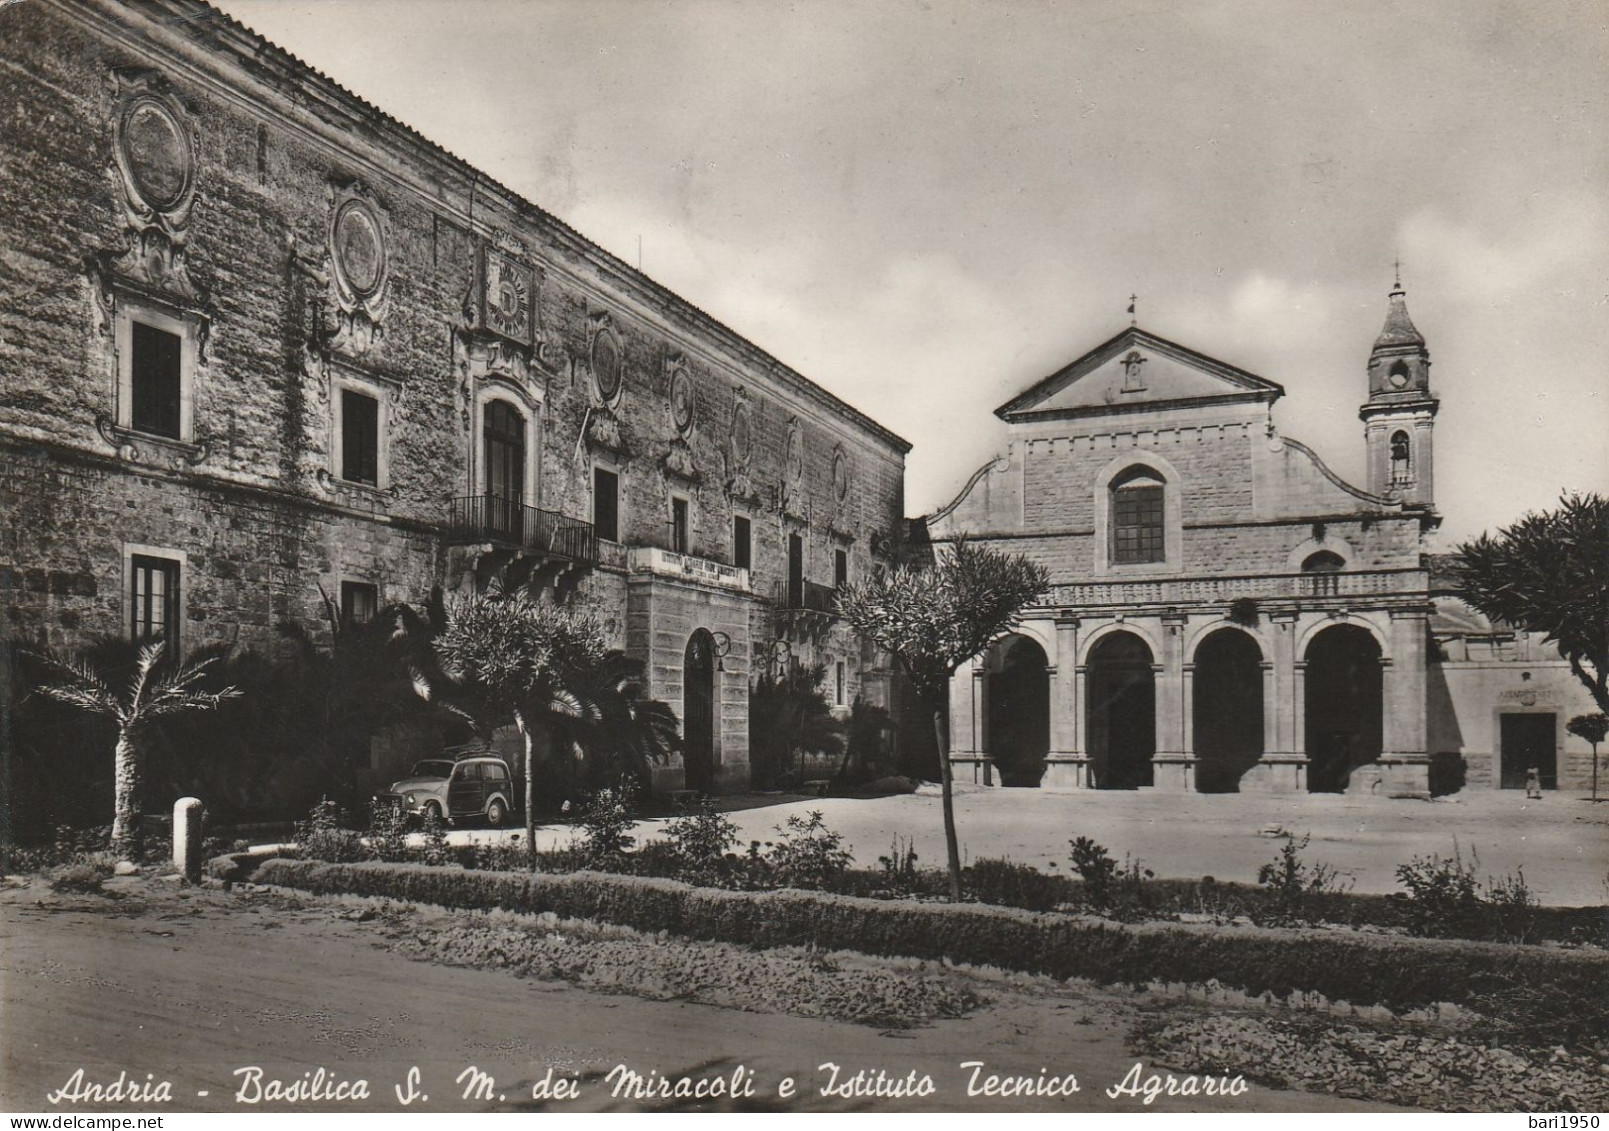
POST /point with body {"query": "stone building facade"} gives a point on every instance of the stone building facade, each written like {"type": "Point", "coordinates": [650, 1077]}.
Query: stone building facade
{"type": "Point", "coordinates": [1227, 614]}
{"type": "Point", "coordinates": [261, 342]}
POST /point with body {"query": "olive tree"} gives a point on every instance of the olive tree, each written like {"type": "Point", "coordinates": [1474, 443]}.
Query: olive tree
{"type": "Point", "coordinates": [935, 619]}
{"type": "Point", "coordinates": [508, 658]}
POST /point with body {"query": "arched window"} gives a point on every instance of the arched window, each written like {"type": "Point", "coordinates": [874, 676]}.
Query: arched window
{"type": "Point", "coordinates": [1401, 469]}
{"type": "Point", "coordinates": [1326, 564]}
{"type": "Point", "coordinates": [1137, 517]}
{"type": "Point", "coordinates": [1324, 561]}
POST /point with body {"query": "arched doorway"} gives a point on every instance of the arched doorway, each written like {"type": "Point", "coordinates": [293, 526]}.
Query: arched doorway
{"type": "Point", "coordinates": [1122, 712]}
{"type": "Point", "coordinates": [1227, 709]}
{"type": "Point", "coordinates": [1017, 701]}
{"type": "Point", "coordinates": [1343, 694]}
{"type": "Point", "coordinates": [698, 712]}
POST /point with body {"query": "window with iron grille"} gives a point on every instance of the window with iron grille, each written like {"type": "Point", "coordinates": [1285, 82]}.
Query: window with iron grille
{"type": "Point", "coordinates": [359, 602]}
{"type": "Point", "coordinates": [155, 381]}
{"type": "Point", "coordinates": [1137, 523]}
{"type": "Point", "coordinates": [155, 604]}
{"type": "Point", "coordinates": [360, 438]}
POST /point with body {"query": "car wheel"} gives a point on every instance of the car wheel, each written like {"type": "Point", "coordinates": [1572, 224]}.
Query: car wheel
{"type": "Point", "coordinates": [433, 809]}
{"type": "Point", "coordinates": [496, 812]}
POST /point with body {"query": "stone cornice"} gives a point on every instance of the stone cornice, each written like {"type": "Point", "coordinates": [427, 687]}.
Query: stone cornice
{"type": "Point", "coordinates": [322, 111]}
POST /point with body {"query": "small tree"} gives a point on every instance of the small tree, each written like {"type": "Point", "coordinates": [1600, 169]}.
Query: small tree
{"type": "Point", "coordinates": [504, 657]}
{"type": "Point", "coordinates": [1549, 573]}
{"type": "Point", "coordinates": [155, 690]}
{"type": "Point", "coordinates": [1592, 729]}
{"type": "Point", "coordinates": [935, 620]}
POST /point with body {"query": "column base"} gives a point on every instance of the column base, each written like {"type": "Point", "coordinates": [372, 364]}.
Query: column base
{"type": "Point", "coordinates": [1276, 773]}
{"type": "Point", "coordinates": [1065, 772]}
{"type": "Point", "coordinates": [972, 767]}
{"type": "Point", "coordinates": [1173, 773]}
{"type": "Point", "coordinates": [1394, 775]}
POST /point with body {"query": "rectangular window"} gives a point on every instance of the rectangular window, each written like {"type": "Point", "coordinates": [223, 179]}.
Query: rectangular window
{"type": "Point", "coordinates": [840, 568]}
{"type": "Point", "coordinates": [1137, 525]}
{"type": "Point", "coordinates": [155, 381]}
{"type": "Point", "coordinates": [742, 543]}
{"type": "Point", "coordinates": [359, 602]}
{"type": "Point", "coordinates": [156, 600]}
{"type": "Point", "coordinates": [606, 504]}
{"type": "Point", "coordinates": [795, 572]}
{"type": "Point", "coordinates": [678, 525]}
{"type": "Point", "coordinates": [838, 684]}
{"type": "Point", "coordinates": [360, 438]}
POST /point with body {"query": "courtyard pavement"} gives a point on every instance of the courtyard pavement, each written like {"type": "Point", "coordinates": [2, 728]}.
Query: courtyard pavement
{"type": "Point", "coordinates": [1560, 842]}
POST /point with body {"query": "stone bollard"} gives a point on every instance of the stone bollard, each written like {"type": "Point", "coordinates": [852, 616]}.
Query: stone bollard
{"type": "Point", "coordinates": [187, 817]}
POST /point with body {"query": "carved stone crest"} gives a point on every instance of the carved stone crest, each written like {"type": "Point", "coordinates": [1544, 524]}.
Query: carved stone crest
{"type": "Point", "coordinates": [681, 394]}
{"type": "Point", "coordinates": [358, 238]}
{"type": "Point", "coordinates": [606, 358]}
{"type": "Point", "coordinates": [154, 145]}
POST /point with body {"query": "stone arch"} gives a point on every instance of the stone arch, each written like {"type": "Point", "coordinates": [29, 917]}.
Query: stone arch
{"type": "Point", "coordinates": [1120, 706]}
{"type": "Point", "coordinates": [1095, 636]}
{"type": "Point", "coordinates": [1340, 547]}
{"type": "Point", "coordinates": [1356, 620]}
{"type": "Point", "coordinates": [1226, 707]}
{"type": "Point", "coordinates": [530, 411]}
{"type": "Point", "coordinates": [1201, 632]}
{"type": "Point", "coordinates": [1343, 692]}
{"type": "Point", "coordinates": [1016, 700]}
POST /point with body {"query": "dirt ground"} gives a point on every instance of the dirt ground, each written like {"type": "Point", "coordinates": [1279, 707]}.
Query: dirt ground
{"type": "Point", "coordinates": [1561, 842]}
{"type": "Point", "coordinates": [189, 986]}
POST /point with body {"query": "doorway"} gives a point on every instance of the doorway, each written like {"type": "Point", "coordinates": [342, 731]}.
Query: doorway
{"type": "Point", "coordinates": [1122, 712]}
{"type": "Point", "coordinates": [1528, 741]}
{"type": "Point", "coordinates": [1018, 704]}
{"type": "Point", "coordinates": [698, 712]}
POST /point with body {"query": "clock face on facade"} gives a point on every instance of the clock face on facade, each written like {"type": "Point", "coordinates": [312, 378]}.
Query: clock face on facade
{"type": "Point", "coordinates": [506, 296]}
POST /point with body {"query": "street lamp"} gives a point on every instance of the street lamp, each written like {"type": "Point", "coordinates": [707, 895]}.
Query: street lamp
{"type": "Point", "coordinates": [722, 647]}
{"type": "Point", "coordinates": [781, 653]}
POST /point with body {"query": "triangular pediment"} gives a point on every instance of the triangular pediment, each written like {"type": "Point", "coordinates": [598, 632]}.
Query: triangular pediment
{"type": "Point", "coordinates": [1137, 371]}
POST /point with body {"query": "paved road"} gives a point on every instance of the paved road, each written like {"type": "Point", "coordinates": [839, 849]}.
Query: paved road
{"type": "Point", "coordinates": [191, 986]}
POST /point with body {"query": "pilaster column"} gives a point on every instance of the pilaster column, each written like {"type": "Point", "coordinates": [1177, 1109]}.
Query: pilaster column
{"type": "Point", "coordinates": [1172, 769]}
{"type": "Point", "coordinates": [1283, 766]}
{"type": "Point", "coordinates": [1066, 768]}
{"type": "Point", "coordinates": [1405, 757]}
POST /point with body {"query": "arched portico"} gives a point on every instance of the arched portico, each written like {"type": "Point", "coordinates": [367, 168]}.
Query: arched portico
{"type": "Point", "coordinates": [1344, 715]}
{"type": "Point", "coordinates": [1016, 696]}
{"type": "Point", "coordinates": [698, 711]}
{"type": "Point", "coordinates": [1121, 711]}
{"type": "Point", "coordinates": [1227, 707]}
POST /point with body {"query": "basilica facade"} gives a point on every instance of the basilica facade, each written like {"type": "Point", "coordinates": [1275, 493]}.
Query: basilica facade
{"type": "Point", "coordinates": [1226, 614]}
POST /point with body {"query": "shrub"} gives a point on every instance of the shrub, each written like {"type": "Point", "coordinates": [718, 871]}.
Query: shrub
{"type": "Point", "coordinates": [1548, 994]}
{"type": "Point", "coordinates": [1097, 869]}
{"type": "Point", "coordinates": [898, 868]}
{"type": "Point", "coordinates": [700, 840]}
{"type": "Point", "coordinates": [435, 849]}
{"type": "Point", "coordinates": [388, 831]}
{"type": "Point", "coordinates": [1511, 908]}
{"type": "Point", "coordinates": [1291, 882]}
{"type": "Point", "coordinates": [1444, 892]}
{"type": "Point", "coordinates": [606, 829]}
{"type": "Point", "coordinates": [324, 835]}
{"type": "Point", "coordinates": [808, 854]}
{"type": "Point", "coordinates": [82, 876]}
{"type": "Point", "coordinates": [1009, 884]}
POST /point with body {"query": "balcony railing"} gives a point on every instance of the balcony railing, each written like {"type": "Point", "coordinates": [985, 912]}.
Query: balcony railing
{"type": "Point", "coordinates": [810, 596]}
{"type": "Point", "coordinates": [509, 522]}
{"type": "Point", "coordinates": [1186, 590]}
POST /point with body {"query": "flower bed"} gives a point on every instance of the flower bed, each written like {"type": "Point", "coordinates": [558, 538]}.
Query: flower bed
{"type": "Point", "coordinates": [1533, 993]}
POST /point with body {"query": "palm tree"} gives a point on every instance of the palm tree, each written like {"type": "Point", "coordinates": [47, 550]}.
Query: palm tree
{"type": "Point", "coordinates": [618, 733]}
{"type": "Point", "coordinates": [154, 691]}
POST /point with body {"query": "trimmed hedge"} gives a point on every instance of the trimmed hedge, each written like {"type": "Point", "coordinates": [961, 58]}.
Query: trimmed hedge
{"type": "Point", "coordinates": [1525, 986]}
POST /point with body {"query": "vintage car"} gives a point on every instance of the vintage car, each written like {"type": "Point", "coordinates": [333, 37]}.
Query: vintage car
{"type": "Point", "coordinates": [455, 787]}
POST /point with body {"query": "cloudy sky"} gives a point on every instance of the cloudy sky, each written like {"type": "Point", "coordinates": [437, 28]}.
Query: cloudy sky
{"type": "Point", "coordinates": [928, 205]}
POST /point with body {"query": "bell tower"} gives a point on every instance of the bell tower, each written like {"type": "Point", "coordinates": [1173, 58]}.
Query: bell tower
{"type": "Point", "coordinates": [1400, 415]}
